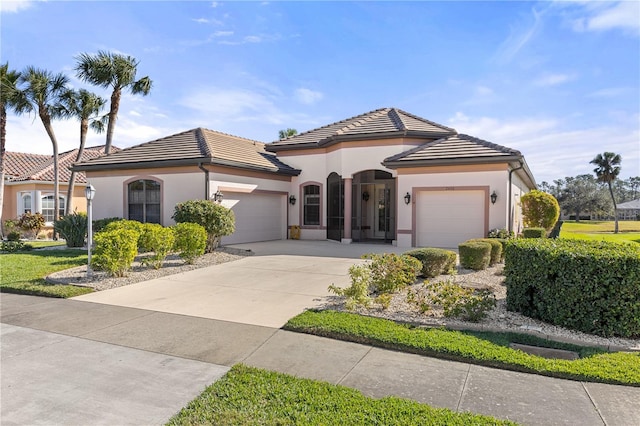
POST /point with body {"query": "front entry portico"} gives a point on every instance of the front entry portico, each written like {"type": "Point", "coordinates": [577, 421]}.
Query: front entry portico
{"type": "Point", "coordinates": [369, 200]}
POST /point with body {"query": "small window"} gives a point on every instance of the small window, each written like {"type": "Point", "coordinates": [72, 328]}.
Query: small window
{"type": "Point", "coordinates": [144, 201]}
{"type": "Point", "coordinates": [26, 203]}
{"type": "Point", "coordinates": [312, 205]}
{"type": "Point", "coordinates": [48, 207]}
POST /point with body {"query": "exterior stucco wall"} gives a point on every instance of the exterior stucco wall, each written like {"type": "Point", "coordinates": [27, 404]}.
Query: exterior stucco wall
{"type": "Point", "coordinates": [12, 192]}
{"type": "Point", "coordinates": [518, 189]}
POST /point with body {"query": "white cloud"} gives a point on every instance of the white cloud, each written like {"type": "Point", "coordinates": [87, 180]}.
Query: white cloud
{"type": "Point", "coordinates": [223, 33]}
{"type": "Point", "coordinates": [552, 151]}
{"type": "Point", "coordinates": [307, 96]}
{"type": "Point", "coordinates": [610, 92]}
{"type": "Point", "coordinates": [483, 91]}
{"type": "Point", "coordinates": [623, 15]}
{"type": "Point", "coordinates": [215, 4]}
{"type": "Point", "coordinates": [135, 113]}
{"type": "Point", "coordinates": [14, 6]}
{"type": "Point", "coordinates": [201, 20]}
{"type": "Point", "coordinates": [253, 39]}
{"type": "Point", "coordinates": [554, 79]}
{"type": "Point", "coordinates": [519, 37]}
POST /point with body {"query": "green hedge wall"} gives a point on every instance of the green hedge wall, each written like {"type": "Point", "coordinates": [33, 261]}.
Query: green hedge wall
{"type": "Point", "coordinates": [534, 232]}
{"type": "Point", "coordinates": [590, 286]}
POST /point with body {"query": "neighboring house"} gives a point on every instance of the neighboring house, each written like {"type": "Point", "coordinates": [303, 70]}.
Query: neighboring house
{"type": "Point", "coordinates": [29, 183]}
{"type": "Point", "coordinates": [629, 210]}
{"type": "Point", "coordinates": [386, 175]}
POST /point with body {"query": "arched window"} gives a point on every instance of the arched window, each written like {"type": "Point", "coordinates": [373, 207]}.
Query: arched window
{"type": "Point", "coordinates": [26, 203]}
{"type": "Point", "coordinates": [311, 205]}
{"type": "Point", "coordinates": [144, 201]}
{"type": "Point", "coordinates": [48, 207]}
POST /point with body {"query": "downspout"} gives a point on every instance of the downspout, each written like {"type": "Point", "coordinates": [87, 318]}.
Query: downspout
{"type": "Point", "coordinates": [206, 181]}
{"type": "Point", "coordinates": [510, 197]}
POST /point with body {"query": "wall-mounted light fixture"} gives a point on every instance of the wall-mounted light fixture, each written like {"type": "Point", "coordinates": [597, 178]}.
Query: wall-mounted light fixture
{"type": "Point", "coordinates": [218, 196]}
{"type": "Point", "coordinates": [494, 197]}
{"type": "Point", "coordinates": [365, 196]}
{"type": "Point", "coordinates": [89, 193]}
{"type": "Point", "coordinates": [292, 200]}
{"type": "Point", "coordinates": [407, 198]}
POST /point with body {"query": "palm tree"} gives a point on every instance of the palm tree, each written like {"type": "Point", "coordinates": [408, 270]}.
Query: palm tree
{"type": "Point", "coordinates": [42, 93]}
{"type": "Point", "coordinates": [283, 134]}
{"type": "Point", "coordinates": [106, 69]}
{"type": "Point", "coordinates": [9, 98]}
{"type": "Point", "coordinates": [85, 106]}
{"type": "Point", "coordinates": [607, 171]}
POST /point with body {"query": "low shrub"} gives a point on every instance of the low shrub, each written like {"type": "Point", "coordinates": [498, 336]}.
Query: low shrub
{"type": "Point", "coordinates": [534, 232]}
{"type": "Point", "coordinates": [435, 261]}
{"type": "Point", "coordinates": [157, 239]}
{"type": "Point", "coordinates": [99, 224]}
{"type": "Point", "coordinates": [466, 303]}
{"type": "Point", "coordinates": [190, 241]}
{"type": "Point", "coordinates": [475, 255]}
{"type": "Point", "coordinates": [496, 249]}
{"type": "Point", "coordinates": [216, 219]}
{"type": "Point", "coordinates": [115, 251]}
{"type": "Point", "coordinates": [13, 236]}
{"type": "Point", "coordinates": [358, 293]}
{"type": "Point", "coordinates": [73, 228]}
{"type": "Point", "coordinates": [131, 225]}
{"type": "Point", "coordinates": [14, 246]}
{"type": "Point", "coordinates": [391, 272]}
{"type": "Point", "coordinates": [590, 286]}
{"type": "Point", "coordinates": [31, 222]}
{"type": "Point", "coordinates": [500, 233]}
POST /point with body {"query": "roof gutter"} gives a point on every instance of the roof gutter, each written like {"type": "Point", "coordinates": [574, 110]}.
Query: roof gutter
{"type": "Point", "coordinates": [521, 166]}
{"type": "Point", "coordinates": [206, 181]}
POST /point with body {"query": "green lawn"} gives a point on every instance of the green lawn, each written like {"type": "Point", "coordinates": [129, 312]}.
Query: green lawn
{"type": "Point", "coordinates": [24, 272]}
{"type": "Point", "coordinates": [601, 230]}
{"type": "Point", "coordinates": [249, 396]}
{"type": "Point", "coordinates": [45, 243]}
{"type": "Point", "coordinates": [489, 349]}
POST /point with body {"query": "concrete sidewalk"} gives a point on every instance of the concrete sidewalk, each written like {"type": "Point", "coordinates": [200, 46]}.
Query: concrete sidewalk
{"type": "Point", "coordinates": [167, 358]}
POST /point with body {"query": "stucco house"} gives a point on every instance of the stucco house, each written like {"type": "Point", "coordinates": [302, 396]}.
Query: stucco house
{"type": "Point", "coordinates": [629, 210]}
{"type": "Point", "coordinates": [29, 183]}
{"type": "Point", "coordinates": [385, 175]}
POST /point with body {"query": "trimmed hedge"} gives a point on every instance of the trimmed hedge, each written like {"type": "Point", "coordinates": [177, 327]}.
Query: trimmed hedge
{"type": "Point", "coordinates": [474, 255]}
{"type": "Point", "coordinates": [534, 232]}
{"type": "Point", "coordinates": [496, 249]}
{"type": "Point", "coordinates": [590, 286]}
{"type": "Point", "coordinates": [435, 261]}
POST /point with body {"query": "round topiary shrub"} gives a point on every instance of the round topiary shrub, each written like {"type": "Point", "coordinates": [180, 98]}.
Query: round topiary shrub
{"type": "Point", "coordinates": [534, 233]}
{"type": "Point", "coordinates": [496, 249]}
{"type": "Point", "coordinates": [191, 240]}
{"type": "Point", "coordinates": [475, 255]}
{"type": "Point", "coordinates": [435, 261]}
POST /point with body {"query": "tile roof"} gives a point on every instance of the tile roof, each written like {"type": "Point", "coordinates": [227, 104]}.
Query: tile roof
{"type": "Point", "coordinates": [193, 147]}
{"type": "Point", "coordinates": [383, 122]}
{"type": "Point", "coordinates": [21, 167]}
{"type": "Point", "coordinates": [453, 149]}
{"type": "Point", "coordinates": [633, 205]}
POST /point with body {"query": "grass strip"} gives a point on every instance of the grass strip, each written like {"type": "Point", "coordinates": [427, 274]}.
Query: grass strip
{"type": "Point", "coordinates": [615, 368]}
{"type": "Point", "coordinates": [250, 396]}
{"type": "Point", "coordinates": [24, 272]}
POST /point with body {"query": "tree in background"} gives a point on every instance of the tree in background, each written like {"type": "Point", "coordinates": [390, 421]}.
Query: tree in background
{"type": "Point", "coordinates": [41, 93]}
{"type": "Point", "coordinates": [607, 170]}
{"type": "Point", "coordinates": [85, 106]}
{"type": "Point", "coordinates": [539, 209]}
{"type": "Point", "coordinates": [286, 133]}
{"type": "Point", "coordinates": [115, 71]}
{"type": "Point", "coordinates": [10, 97]}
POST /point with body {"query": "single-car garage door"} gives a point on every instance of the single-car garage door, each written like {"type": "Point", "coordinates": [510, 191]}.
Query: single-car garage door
{"type": "Point", "coordinates": [447, 218]}
{"type": "Point", "coordinates": [259, 217]}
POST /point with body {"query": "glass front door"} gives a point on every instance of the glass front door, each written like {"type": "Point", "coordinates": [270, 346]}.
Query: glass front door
{"type": "Point", "coordinates": [335, 207]}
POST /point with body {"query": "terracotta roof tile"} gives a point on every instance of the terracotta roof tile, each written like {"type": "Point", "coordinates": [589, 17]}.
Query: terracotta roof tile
{"type": "Point", "coordinates": [378, 123]}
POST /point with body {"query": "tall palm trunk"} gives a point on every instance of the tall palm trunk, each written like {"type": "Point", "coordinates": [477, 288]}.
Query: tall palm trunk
{"type": "Point", "coordinates": [113, 114]}
{"type": "Point", "coordinates": [84, 128]}
{"type": "Point", "coordinates": [615, 208]}
{"type": "Point", "coordinates": [3, 137]}
{"type": "Point", "coordinates": [46, 121]}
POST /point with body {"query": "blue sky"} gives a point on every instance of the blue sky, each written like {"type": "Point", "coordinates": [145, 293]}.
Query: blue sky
{"type": "Point", "coordinates": [559, 81]}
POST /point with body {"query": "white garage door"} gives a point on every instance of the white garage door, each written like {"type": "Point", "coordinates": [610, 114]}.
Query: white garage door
{"type": "Point", "coordinates": [259, 217]}
{"type": "Point", "coordinates": [447, 218]}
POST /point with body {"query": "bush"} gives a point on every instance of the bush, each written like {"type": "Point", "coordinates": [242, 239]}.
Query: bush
{"type": "Point", "coordinates": [358, 293]}
{"type": "Point", "coordinates": [157, 239]}
{"type": "Point", "coordinates": [32, 222]}
{"type": "Point", "coordinates": [216, 219]}
{"type": "Point", "coordinates": [534, 232]}
{"type": "Point", "coordinates": [13, 236]}
{"type": "Point", "coordinates": [435, 261]}
{"type": "Point", "coordinates": [115, 251]}
{"type": "Point", "coordinates": [99, 224]}
{"type": "Point", "coordinates": [73, 228]}
{"type": "Point", "coordinates": [474, 255]}
{"type": "Point", "coordinates": [539, 209]}
{"type": "Point", "coordinates": [130, 225]}
{"type": "Point", "coordinates": [391, 272]}
{"type": "Point", "coordinates": [496, 249]}
{"type": "Point", "coordinates": [465, 303]}
{"type": "Point", "coordinates": [14, 246]}
{"type": "Point", "coordinates": [590, 286]}
{"type": "Point", "coordinates": [500, 233]}
{"type": "Point", "coordinates": [190, 241]}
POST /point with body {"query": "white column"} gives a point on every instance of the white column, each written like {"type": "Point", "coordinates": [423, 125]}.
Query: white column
{"type": "Point", "coordinates": [36, 201]}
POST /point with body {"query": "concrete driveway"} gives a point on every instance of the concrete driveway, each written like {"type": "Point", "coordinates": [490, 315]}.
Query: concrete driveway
{"type": "Point", "coordinates": [281, 279]}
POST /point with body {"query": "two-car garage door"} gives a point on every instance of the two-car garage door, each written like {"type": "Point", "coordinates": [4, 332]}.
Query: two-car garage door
{"type": "Point", "coordinates": [259, 217]}
{"type": "Point", "coordinates": [447, 218]}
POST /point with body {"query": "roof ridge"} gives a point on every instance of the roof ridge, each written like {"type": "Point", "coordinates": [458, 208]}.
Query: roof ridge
{"type": "Point", "coordinates": [203, 144]}
{"type": "Point", "coordinates": [395, 117]}
{"type": "Point", "coordinates": [230, 135]}
{"type": "Point", "coordinates": [489, 144]}
{"type": "Point", "coordinates": [433, 123]}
